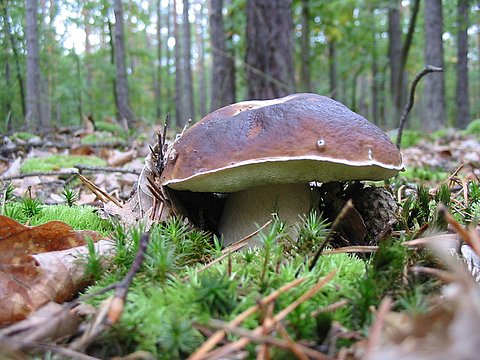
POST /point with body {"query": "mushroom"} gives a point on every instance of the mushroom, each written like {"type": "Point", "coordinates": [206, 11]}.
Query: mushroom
{"type": "Point", "coordinates": [264, 154]}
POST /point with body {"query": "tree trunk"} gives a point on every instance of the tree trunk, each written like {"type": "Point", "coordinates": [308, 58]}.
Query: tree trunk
{"type": "Point", "coordinates": [398, 54]}
{"type": "Point", "coordinates": [395, 58]}
{"type": "Point", "coordinates": [434, 112]}
{"type": "Point", "coordinates": [158, 78]}
{"type": "Point", "coordinates": [202, 85]}
{"type": "Point", "coordinates": [332, 68]}
{"type": "Point", "coordinates": [305, 48]}
{"type": "Point", "coordinates": [33, 114]}
{"type": "Point", "coordinates": [222, 82]}
{"type": "Point", "coordinates": [123, 103]}
{"type": "Point", "coordinates": [179, 115]}
{"type": "Point", "coordinates": [112, 62]}
{"type": "Point", "coordinates": [187, 65]}
{"type": "Point", "coordinates": [462, 93]}
{"type": "Point", "coordinates": [9, 34]}
{"type": "Point", "coordinates": [374, 104]}
{"type": "Point", "coordinates": [168, 85]}
{"type": "Point", "coordinates": [269, 57]}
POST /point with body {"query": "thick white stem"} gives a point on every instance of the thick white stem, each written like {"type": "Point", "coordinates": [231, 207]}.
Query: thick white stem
{"type": "Point", "coordinates": [247, 210]}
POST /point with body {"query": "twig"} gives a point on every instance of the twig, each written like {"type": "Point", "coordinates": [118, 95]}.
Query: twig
{"type": "Point", "coordinates": [94, 169]}
{"type": "Point", "coordinates": [336, 223]}
{"type": "Point", "coordinates": [411, 99]}
{"type": "Point", "coordinates": [376, 329]}
{"type": "Point", "coordinates": [121, 289]}
{"type": "Point", "coordinates": [265, 339]}
{"type": "Point", "coordinates": [218, 336]}
{"type": "Point", "coordinates": [73, 171]}
{"type": "Point", "coordinates": [239, 344]}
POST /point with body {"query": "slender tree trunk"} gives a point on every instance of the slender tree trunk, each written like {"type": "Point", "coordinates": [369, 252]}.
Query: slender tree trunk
{"type": "Point", "coordinates": [158, 78]}
{"type": "Point", "coordinates": [395, 57]}
{"type": "Point", "coordinates": [374, 74]}
{"type": "Point", "coordinates": [332, 68]}
{"type": "Point", "coordinates": [434, 114]}
{"type": "Point", "coordinates": [398, 53]}
{"type": "Point", "coordinates": [222, 81]}
{"type": "Point", "coordinates": [462, 93]}
{"type": "Point", "coordinates": [87, 60]}
{"type": "Point", "coordinates": [187, 65]}
{"type": "Point", "coordinates": [9, 35]}
{"type": "Point", "coordinates": [202, 85]}
{"type": "Point", "coordinates": [269, 57]}
{"type": "Point", "coordinates": [79, 89]}
{"type": "Point", "coordinates": [112, 62]}
{"type": "Point", "coordinates": [179, 114]}
{"type": "Point", "coordinates": [33, 114]}
{"type": "Point", "coordinates": [305, 48]}
{"type": "Point", "coordinates": [170, 99]}
{"type": "Point", "coordinates": [126, 113]}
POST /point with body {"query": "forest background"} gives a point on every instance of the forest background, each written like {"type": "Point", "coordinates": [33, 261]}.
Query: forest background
{"type": "Point", "coordinates": [138, 60]}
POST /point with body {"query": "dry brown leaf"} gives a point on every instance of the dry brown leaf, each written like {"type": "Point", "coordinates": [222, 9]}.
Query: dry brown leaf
{"type": "Point", "coordinates": [40, 264]}
{"type": "Point", "coordinates": [120, 158]}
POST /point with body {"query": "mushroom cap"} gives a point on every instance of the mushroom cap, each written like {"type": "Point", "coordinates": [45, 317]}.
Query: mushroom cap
{"type": "Point", "coordinates": [299, 138]}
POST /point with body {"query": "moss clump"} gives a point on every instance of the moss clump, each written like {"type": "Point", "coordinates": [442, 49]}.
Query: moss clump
{"type": "Point", "coordinates": [110, 127]}
{"type": "Point", "coordinates": [409, 138]}
{"type": "Point", "coordinates": [78, 217]}
{"type": "Point", "coordinates": [22, 135]}
{"type": "Point", "coordinates": [101, 137]}
{"type": "Point", "coordinates": [473, 128]}
{"type": "Point", "coordinates": [424, 174]}
{"type": "Point", "coordinates": [169, 294]}
{"type": "Point", "coordinates": [57, 162]}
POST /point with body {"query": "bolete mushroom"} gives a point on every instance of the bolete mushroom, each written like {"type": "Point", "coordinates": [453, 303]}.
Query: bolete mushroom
{"type": "Point", "coordinates": [265, 153]}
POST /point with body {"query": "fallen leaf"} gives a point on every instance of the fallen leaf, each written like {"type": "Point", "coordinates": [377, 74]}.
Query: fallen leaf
{"type": "Point", "coordinates": [41, 264]}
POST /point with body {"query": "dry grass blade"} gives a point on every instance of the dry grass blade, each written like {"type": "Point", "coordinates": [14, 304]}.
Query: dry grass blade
{"type": "Point", "coordinates": [351, 249]}
{"type": "Point", "coordinates": [231, 249]}
{"type": "Point", "coordinates": [102, 195]}
{"type": "Point", "coordinates": [265, 339]}
{"type": "Point", "coordinates": [239, 344]}
{"type": "Point", "coordinates": [376, 329]}
{"type": "Point", "coordinates": [443, 275]}
{"type": "Point", "coordinates": [219, 335]}
{"type": "Point", "coordinates": [470, 237]}
{"type": "Point", "coordinates": [293, 346]}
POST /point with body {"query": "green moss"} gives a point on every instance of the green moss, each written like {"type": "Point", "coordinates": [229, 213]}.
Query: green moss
{"type": "Point", "coordinates": [424, 174]}
{"type": "Point", "coordinates": [22, 135]}
{"type": "Point", "coordinates": [165, 305]}
{"type": "Point", "coordinates": [113, 128]}
{"type": "Point", "coordinates": [101, 137]}
{"type": "Point", "coordinates": [409, 138]}
{"type": "Point", "coordinates": [78, 217]}
{"type": "Point", "coordinates": [473, 127]}
{"type": "Point", "coordinates": [57, 162]}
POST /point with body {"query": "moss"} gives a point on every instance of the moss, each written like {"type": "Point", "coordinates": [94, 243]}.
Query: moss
{"type": "Point", "coordinates": [113, 128]}
{"type": "Point", "coordinates": [57, 162]}
{"type": "Point", "coordinates": [166, 306]}
{"type": "Point", "coordinates": [78, 217]}
{"type": "Point", "coordinates": [101, 137]}
{"type": "Point", "coordinates": [473, 128]}
{"type": "Point", "coordinates": [22, 135]}
{"type": "Point", "coordinates": [409, 138]}
{"type": "Point", "coordinates": [424, 174]}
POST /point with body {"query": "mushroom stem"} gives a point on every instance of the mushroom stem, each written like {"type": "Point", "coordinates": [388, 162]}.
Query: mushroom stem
{"type": "Point", "coordinates": [246, 210]}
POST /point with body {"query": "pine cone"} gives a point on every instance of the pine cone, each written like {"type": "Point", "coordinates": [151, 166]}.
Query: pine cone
{"type": "Point", "coordinates": [377, 207]}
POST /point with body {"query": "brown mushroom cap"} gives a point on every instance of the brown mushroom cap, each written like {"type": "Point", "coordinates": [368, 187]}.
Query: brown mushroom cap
{"type": "Point", "coordinates": [298, 138]}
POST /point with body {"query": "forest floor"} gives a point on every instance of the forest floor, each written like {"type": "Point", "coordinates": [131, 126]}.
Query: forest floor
{"type": "Point", "coordinates": [408, 290]}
